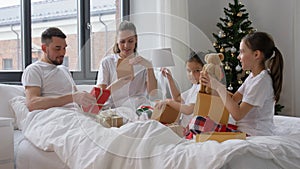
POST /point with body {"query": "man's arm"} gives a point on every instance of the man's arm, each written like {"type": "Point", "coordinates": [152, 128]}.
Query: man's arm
{"type": "Point", "coordinates": [35, 101]}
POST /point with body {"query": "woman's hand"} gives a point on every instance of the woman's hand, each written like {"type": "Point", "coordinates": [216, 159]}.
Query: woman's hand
{"type": "Point", "coordinates": [119, 83]}
{"type": "Point", "coordinates": [140, 60]}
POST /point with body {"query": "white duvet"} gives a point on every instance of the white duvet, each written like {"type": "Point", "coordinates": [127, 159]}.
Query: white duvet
{"type": "Point", "coordinates": [82, 143]}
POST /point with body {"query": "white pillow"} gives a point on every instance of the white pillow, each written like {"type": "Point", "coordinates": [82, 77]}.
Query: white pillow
{"type": "Point", "coordinates": [8, 92]}
{"type": "Point", "coordinates": [18, 104]}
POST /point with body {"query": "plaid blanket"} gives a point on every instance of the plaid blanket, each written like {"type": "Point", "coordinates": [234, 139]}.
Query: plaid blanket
{"type": "Point", "coordinates": [201, 124]}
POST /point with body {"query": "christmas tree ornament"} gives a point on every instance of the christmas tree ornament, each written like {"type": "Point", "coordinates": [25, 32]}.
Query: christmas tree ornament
{"type": "Point", "coordinates": [240, 14]}
{"type": "Point", "coordinates": [230, 88]}
{"type": "Point", "coordinates": [232, 49]}
{"type": "Point", "coordinates": [229, 24]}
{"type": "Point", "coordinates": [214, 44]}
{"type": "Point", "coordinates": [248, 72]}
{"type": "Point", "coordinates": [240, 30]}
{"type": "Point", "coordinates": [222, 50]}
{"type": "Point", "coordinates": [220, 35]}
{"type": "Point", "coordinates": [226, 67]}
{"type": "Point", "coordinates": [238, 68]}
{"type": "Point", "coordinates": [240, 81]}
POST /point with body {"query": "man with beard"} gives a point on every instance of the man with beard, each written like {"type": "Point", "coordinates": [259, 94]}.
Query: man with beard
{"type": "Point", "coordinates": [47, 82]}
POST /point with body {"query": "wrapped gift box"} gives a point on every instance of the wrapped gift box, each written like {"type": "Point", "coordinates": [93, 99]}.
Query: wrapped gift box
{"type": "Point", "coordinates": [165, 115]}
{"type": "Point", "coordinates": [220, 136]}
{"type": "Point", "coordinates": [124, 69]}
{"type": "Point", "coordinates": [109, 119]}
{"type": "Point", "coordinates": [211, 106]}
{"type": "Point", "coordinates": [102, 96]}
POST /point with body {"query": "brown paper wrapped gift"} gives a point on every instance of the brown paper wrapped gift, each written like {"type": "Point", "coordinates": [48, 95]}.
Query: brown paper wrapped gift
{"type": "Point", "coordinates": [211, 106]}
{"type": "Point", "coordinates": [165, 115]}
{"type": "Point", "coordinates": [220, 136]}
{"type": "Point", "coordinates": [124, 69]}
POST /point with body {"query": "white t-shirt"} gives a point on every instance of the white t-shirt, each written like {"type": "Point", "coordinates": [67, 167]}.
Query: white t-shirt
{"type": "Point", "coordinates": [258, 91]}
{"type": "Point", "coordinates": [53, 80]}
{"type": "Point", "coordinates": [133, 94]}
{"type": "Point", "coordinates": [189, 97]}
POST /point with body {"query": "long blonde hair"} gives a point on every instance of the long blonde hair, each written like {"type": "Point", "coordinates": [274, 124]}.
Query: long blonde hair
{"type": "Point", "coordinates": [124, 25]}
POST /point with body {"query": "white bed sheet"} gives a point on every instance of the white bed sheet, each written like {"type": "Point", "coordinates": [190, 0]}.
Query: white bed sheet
{"type": "Point", "coordinates": [27, 156]}
{"type": "Point", "coordinates": [151, 145]}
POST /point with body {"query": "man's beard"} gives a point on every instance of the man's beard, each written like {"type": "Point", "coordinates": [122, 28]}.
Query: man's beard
{"type": "Point", "coordinates": [55, 62]}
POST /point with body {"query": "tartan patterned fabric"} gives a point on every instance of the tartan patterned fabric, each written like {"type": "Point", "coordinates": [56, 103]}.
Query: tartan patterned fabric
{"type": "Point", "coordinates": [201, 124]}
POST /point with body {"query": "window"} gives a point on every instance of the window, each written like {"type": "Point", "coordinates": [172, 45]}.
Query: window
{"type": "Point", "coordinates": [7, 64]}
{"type": "Point", "coordinates": [58, 13]}
{"type": "Point", "coordinates": [88, 24]}
{"type": "Point", "coordinates": [10, 26]}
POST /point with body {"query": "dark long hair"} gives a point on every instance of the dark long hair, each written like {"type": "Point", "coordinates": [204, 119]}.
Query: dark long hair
{"type": "Point", "coordinates": [273, 58]}
{"type": "Point", "coordinates": [196, 57]}
{"type": "Point", "coordinates": [124, 26]}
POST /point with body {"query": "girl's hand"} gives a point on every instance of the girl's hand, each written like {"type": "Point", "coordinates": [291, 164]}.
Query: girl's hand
{"type": "Point", "coordinates": [209, 81]}
{"type": "Point", "coordinates": [140, 60]}
{"type": "Point", "coordinates": [161, 104]}
{"type": "Point", "coordinates": [166, 72]}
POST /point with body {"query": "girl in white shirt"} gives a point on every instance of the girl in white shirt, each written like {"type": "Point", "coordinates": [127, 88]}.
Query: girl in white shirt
{"type": "Point", "coordinates": [252, 106]}
{"type": "Point", "coordinates": [184, 102]}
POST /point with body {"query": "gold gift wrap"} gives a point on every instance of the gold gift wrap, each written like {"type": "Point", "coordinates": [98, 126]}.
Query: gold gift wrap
{"type": "Point", "coordinates": [110, 120]}
{"type": "Point", "coordinates": [220, 136]}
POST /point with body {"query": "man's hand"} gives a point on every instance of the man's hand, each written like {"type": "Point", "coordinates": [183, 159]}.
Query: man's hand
{"type": "Point", "coordinates": [84, 98]}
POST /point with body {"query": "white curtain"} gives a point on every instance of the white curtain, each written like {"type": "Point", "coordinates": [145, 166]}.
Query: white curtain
{"type": "Point", "coordinates": [165, 23]}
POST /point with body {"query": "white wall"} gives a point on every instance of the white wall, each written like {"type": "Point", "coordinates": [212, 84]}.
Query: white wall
{"type": "Point", "coordinates": [296, 66]}
{"type": "Point", "coordinates": [279, 18]}
{"type": "Point", "coordinates": [165, 24]}
{"type": "Point", "coordinates": [276, 17]}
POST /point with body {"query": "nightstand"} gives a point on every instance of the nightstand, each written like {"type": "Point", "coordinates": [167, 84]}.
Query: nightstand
{"type": "Point", "coordinates": [6, 143]}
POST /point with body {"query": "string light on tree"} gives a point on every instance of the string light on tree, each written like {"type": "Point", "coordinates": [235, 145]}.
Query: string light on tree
{"type": "Point", "coordinates": [232, 28]}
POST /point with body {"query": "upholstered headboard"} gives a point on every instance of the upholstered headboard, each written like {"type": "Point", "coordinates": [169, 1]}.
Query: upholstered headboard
{"type": "Point", "coordinates": [8, 92]}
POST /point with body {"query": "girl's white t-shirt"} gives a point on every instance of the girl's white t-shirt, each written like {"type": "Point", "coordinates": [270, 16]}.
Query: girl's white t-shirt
{"type": "Point", "coordinates": [189, 97]}
{"type": "Point", "coordinates": [258, 91]}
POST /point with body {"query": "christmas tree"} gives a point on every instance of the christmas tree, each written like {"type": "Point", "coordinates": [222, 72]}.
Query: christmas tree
{"type": "Point", "coordinates": [234, 26]}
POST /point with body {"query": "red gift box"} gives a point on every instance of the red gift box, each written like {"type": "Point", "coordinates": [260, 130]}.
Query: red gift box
{"type": "Point", "coordinates": [102, 96]}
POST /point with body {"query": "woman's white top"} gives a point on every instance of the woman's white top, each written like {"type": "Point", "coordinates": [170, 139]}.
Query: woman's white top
{"type": "Point", "coordinates": [132, 94]}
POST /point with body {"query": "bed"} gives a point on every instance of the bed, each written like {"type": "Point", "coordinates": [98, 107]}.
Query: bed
{"type": "Point", "coordinates": [60, 138]}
